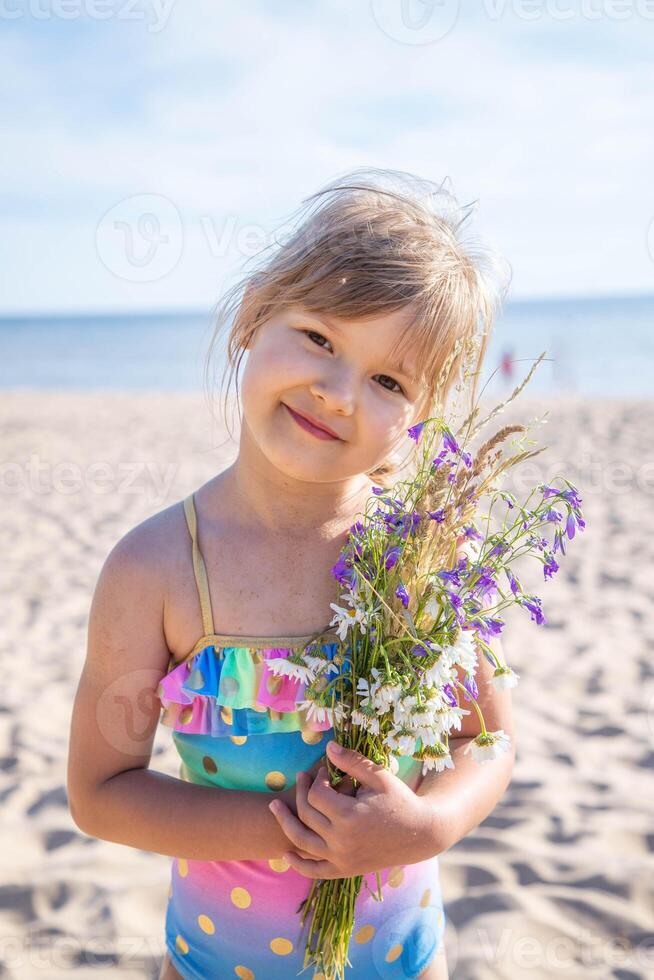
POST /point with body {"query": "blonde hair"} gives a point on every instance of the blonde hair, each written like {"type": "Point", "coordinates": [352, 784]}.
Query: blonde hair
{"type": "Point", "coordinates": [369, 243]}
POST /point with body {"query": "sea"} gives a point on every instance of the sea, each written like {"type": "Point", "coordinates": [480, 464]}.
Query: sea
{"type": "Point", "coordinates": [595, 347]}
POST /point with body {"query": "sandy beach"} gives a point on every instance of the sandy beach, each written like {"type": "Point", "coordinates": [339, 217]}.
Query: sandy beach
{"type": "Point", "coordinates": [558, 881]}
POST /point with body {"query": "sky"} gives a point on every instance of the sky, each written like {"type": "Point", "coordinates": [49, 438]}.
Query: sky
{"type": "Point", "coordinates": [150, 148]}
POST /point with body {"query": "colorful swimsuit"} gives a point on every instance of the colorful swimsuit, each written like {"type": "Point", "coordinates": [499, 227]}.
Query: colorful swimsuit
{"type": "Point", "coordinates": [236, 725]}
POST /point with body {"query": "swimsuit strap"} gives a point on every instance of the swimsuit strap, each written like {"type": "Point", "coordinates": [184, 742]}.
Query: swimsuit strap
{"type": "Point", "coordinates": [199, 567]}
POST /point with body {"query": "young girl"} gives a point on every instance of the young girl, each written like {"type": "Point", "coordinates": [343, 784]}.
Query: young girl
{"type": "Point", "coordinates": [348, 329]}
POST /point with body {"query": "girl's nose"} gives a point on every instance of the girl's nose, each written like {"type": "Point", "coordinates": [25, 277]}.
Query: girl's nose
{"type": "Point", "coordinates": [337, 395]}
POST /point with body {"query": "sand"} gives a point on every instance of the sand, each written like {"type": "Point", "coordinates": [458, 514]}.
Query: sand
{"type": "Point", "coordinates": [558, 881]}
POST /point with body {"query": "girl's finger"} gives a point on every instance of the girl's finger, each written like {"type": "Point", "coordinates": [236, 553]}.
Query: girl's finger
{"type": "Point", "coordinates": [308, 814]}
{"type": "Point", "coordinates": [310, 868]}
{"type": "Point", "coordinates": [297, 832]}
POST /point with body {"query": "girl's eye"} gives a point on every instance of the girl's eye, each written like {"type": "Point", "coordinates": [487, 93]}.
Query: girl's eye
{"type": "Point", "coordinates": [399, 389]}
{"type": "Point", "coordinates": [393, 381]}
{"type": "Point", "coordinates": [312, 333]}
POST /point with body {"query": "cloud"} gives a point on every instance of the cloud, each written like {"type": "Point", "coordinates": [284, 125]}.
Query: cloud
{"type": "Point", "coordinates": [236, 113]}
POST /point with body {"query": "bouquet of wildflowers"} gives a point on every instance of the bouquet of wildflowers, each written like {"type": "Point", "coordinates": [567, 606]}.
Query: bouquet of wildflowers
{"type": "Point", "coordinates": [425, 578]}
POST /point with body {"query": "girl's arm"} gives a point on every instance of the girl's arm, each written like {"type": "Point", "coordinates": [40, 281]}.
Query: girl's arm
{"type": "Point", "coordinates": [111, 792]}
{"type": "Point", "coordinates": [461, 798]}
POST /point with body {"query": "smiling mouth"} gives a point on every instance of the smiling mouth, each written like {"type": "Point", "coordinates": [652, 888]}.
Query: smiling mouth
{"type": "Point", "coordinates": [309, 426]}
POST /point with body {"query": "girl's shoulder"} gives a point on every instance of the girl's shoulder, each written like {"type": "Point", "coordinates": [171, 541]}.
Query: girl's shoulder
{"type": "Point", "coordinates": [153, 542]}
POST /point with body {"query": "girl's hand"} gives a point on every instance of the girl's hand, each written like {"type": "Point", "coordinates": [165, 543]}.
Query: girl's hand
{"type": "Point", "coordinates": [339, 836]}
{"type": "Point", "coordinates": [304, 780]}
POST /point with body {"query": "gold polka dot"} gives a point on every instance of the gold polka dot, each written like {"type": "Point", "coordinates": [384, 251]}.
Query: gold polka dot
{"type": "Point", "coordinates": [273, 684]}
{"type": "Point", "coordinates": [424, 901]}
{"type": "Point", "coordinates": [182, 867]}
{"type": "Point", "coordinates": [364, 934]}
{"type": "Point", "coordinates": [185, 716]}
{"type": "Point", "coordinates": [396, 877]}
{"type": "Point", "coordinates": [275, 780]}
{"type": "Point", "coordinates": [181, 944]}
{"type": "Point", "coordinates": [243, 973]}
{"type": "Point", "coordinates": [394, 952]}
{"type": "Point", "coordinates": [281, 946]}
{"type": "Point", "coordinates": [229, 686]}
{"type": "Point", "coordinates": [206, 924]}
{"type": "Point", "coordinates": [209, 765]}
{"type": "Point", "coordinates": [311, 738]}
{"type": "Point", "coordinates": [279, 864]}
{"type": "Point", "coordinates": [239, 739]}
{"type": "Point", "coordinates": [195, 679]}
{"type": "Point", "coordinates": [241, 898]}
{"type": "Point", "coordinates": [226, 714]}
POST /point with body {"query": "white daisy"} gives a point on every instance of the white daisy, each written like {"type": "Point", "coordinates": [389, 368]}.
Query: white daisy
{"type": "Point", "coordinates": [282, 667]}
{"type": "Point", "coordinates": [463, 652]}
{"type": "Point", "coordinates": [344, 619]}
{"type": "Point", "coordinates": [438, 764]}
{"type": "Point", "coordinates": [504, 678]}
{"type": "Point", "coordinates": [486, 747]}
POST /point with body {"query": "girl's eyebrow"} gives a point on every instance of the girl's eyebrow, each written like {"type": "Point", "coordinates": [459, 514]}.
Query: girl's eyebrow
{"type": "Point", "coordinates": [401, 367]}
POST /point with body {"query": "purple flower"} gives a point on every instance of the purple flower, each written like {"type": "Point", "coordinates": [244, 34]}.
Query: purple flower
{"type": "Point", "coordinates": [402, 595]}
{"type": "Point", "coordinates": [455, 600]}
{"type": "Point", "coordinates": [471, 687]}
{"type": "Point", "coordinates": [343, 572]}
{"type": "Point", "coordinates": [513, 582]}
{"type": "Point", "coordinates": [486, 584]}
{"type": "Point", "coordinates": [378, 490]}
{"type": "Point", "coordinates": [450, 442]}
{"type": "Point", "coordinates": [487, 628]}
{"type": "Point", "coordinates": [553, 515]}
{"type": "Point", "coordinates": [419, 650]}
{"type": "Point", "coordinates": [559, 541]}
{"type": "Point", "coordinates": [404, 524]}
{"type": "Point", "coordinates": [416, 431]}
{"type": "Point", "coordinates": [439, 459]}
{"type": "Point", "coordinates": [391, 556]}
{"type": "Point", "coordinates": [533, 604]}
{"type": "Point", "coordinates": [450, 696]}
{"type": "Point", "coordinates": [550, 566]}
{"type": "Point", "coordinates": [467, 459]}
{"type": "Point", "coordinates": [437, 515]}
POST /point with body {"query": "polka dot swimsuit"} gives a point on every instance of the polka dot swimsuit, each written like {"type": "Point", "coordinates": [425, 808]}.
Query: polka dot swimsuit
{"type": "Point", "coordinates": [236, 725]}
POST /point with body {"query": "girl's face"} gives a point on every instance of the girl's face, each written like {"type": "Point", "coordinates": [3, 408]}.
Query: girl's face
{"type": "Point", "coordinates": [338, 373]}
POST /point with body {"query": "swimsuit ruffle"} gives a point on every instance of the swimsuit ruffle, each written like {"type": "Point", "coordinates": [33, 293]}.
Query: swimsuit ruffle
{"type": "Point", "coordinates": [228, 691]}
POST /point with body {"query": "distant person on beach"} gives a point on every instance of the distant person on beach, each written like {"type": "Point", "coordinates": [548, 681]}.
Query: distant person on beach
{"type": "Point", "coordinates": [506, 365]}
